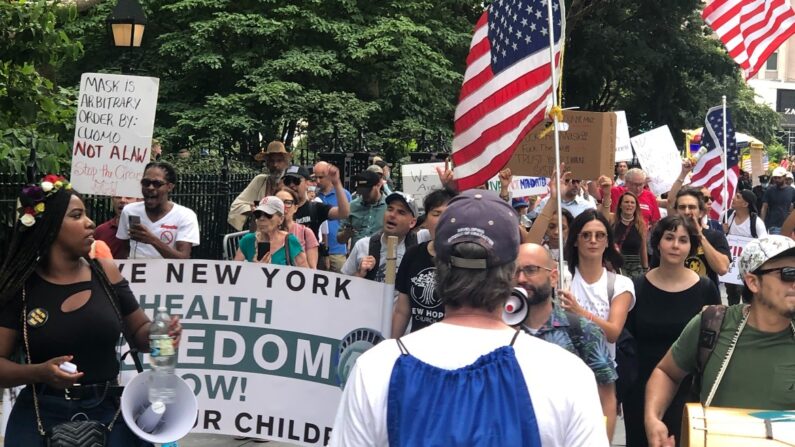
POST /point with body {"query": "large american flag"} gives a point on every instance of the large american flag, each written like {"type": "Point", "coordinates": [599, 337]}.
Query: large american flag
{"type": "Point", "coordinates": [751, 29]}
{"type": "Point", "coordinates": [709, 169]}
{"type": "Point", "coordinates": [507, 85]}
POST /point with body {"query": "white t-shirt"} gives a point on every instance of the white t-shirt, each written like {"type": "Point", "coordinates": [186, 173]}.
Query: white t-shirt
{"type": "Point", "coordinates": [562, 388]}
{"type": "Point", "coordinates": [744, 229]}
{"type": "Point", "coordinates": [594, 299]}
{"type": "Point", "coordinates": [180, 224]}
{"type": "Point", "coordinates": [362, 249]}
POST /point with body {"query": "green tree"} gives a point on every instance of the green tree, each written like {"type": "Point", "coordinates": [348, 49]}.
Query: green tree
{"type": "Point", "coordinates": [35, 110]}
{"type": "Point", "coordinates": [659, 62]}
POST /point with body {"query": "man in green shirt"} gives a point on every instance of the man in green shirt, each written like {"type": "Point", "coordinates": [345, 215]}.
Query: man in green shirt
{"type": "Point", "coordinates": [367, 209]}
{"type": "Point", "coordinates": [760, 372]}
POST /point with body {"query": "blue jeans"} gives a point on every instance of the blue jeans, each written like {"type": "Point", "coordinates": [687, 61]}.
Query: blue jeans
{"type": "Point", "coordinates": [22, 432]}
{"type": "Point", "coordinates": [774, 230]}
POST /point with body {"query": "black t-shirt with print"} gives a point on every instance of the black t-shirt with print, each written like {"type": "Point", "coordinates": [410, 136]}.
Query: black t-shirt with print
{"type": "Point", "coordinates": [312, 214]}
{"type": "Point", "coordinates": [416, 277]}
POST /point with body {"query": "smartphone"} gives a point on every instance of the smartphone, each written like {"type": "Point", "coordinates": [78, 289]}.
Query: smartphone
{"type": "Point", "coordinates": [134, 220]}
{"type": "Point", "coordinates": [262, 249]}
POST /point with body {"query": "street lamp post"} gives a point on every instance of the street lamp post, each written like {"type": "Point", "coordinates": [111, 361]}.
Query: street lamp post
{"type": "Point", "coordinates": [127, 22]}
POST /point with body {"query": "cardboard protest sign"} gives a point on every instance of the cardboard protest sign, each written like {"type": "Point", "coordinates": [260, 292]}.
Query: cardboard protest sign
{"type": "Point", "coordinates": [113, 133]}
{"type": "Point", "coordinates": [623, 144]}
{"type": "Point", "coordinates": [736, 246]}
{"type": "Point", "coordinates": [588, 148]}
{"type": "Point", "coordinates": [265, 348]}
{"type": "Point", "coordinates": [659, 157]}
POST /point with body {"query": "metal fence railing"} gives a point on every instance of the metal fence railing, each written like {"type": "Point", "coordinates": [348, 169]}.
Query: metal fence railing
{"type": "Point", "coordinates": [208, 195]}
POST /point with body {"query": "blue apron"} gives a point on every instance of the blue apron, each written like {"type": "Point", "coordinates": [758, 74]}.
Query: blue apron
{"type": "Point", "coordinates": [484, 404]}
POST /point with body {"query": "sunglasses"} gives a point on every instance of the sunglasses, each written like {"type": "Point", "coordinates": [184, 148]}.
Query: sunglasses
{"type": "Point", "coordinates": [786, 274]}
{"type": "Point", "coordinates": [156, 183]}
{"type": "Point", "coordinates": [530, 270]}
{"type": "Point", "coordinates": [260, 214]}
{"type": "Point", "coordinates": [291, 181]}
{"type": "Point", "coordinates": [599, 235]}
{"type": "Point", "coordinates": [288, 202]}
{"type": "Point", "coordinates": [574, 181]}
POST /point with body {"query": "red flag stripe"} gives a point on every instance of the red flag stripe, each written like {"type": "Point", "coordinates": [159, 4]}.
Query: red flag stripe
{"type": "Point", "coordinates": [493, 133]}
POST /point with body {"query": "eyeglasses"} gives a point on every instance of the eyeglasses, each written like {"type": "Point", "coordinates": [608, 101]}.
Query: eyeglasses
{"type": "Point", "coordinates": [530, 270]}
{"type": "Point", "coordinates": [599, 235]}
{"type": "Point", "coordinates": [786, 274]}
{"type": "Point", "coordinates": [261, 214]}
{"type": "Point", "coordinates": [636, 184]}
{"type": "Point", "coordinates": [145, 182]}
{"type": "Point", "coordinates": [291, 181]}
{"type": "Point", "coordinates": [288, 202]}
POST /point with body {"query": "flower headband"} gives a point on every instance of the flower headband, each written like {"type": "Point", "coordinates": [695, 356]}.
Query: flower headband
{"type": "Point", "coordinates": [33, 197]}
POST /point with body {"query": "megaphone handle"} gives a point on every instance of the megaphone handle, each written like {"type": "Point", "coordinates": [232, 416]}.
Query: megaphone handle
{"type": "Point", "coordinates": [134, 354]}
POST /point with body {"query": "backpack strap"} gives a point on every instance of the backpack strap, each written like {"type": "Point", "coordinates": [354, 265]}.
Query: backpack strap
{"type": "Point", "coordinates": [287, 250]}
{"type": "Point", "coordinates": [411, 239]}
{"type": "Point", "coordinates": [611, 285]}
{"type": "Point", "coordinates": [709, 330]}
{"type": "Point", "coordinates": [374, 250]}
{"type": "Point", "coordinates": [753, 225]}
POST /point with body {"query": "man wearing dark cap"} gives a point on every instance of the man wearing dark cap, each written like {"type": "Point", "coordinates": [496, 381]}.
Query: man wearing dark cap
{"type": "Point", "coordinates": [470, 379]}
{"type": "Point", "coordinates": [276, 160]}
{"type": "Point", "coordinates": [367, 209]}
{"type": "Point", "coordinates": [368, 256]}
{"type": "Point", "coordinates": [751, 357]}
{"type": "Point", "coordinates": [312, 213]}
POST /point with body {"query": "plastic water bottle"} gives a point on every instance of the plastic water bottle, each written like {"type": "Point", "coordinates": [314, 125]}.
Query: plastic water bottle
{"type": "Point", "coordinates": [163, 358]}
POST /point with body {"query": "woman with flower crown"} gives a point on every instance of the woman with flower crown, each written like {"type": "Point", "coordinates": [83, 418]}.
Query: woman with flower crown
{"type": "Point", "coordinates": [62, 308]}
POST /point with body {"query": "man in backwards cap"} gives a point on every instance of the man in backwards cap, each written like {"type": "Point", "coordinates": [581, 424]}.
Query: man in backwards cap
{"type": "Point", "coordinates": [760, 371]}
{"type": "Point", "coordinates": [471, 379]}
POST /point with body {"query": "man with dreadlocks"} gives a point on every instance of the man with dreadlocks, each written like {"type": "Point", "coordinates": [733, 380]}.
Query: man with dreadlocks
{"type": "Point", "coordinates": [62, 308]}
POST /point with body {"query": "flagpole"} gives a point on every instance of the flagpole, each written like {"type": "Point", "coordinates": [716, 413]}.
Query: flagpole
{"type": "Point", "coordinates": [555, 104]}
{"type": "Point", "coordinates": [725, 164]}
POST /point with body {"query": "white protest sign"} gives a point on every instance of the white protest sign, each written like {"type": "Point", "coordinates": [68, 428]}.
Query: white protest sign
{"type": "Point", "coordinates": [522, 186]}
{"type": "Point", "coordinates": [420, 179]}
{"type": "Point", "coordinates": [264, 347]}
{"type": "Point", "coordinates": [736, 246]}
{"type": "Point", "coordinates": [659, 157]}
{"type": "Point", "coordinates": [113, 133]}
{"type": "Point", "coordinates": [623, 145]}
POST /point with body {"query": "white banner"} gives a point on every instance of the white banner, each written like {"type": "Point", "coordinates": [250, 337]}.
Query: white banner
{"type": "Point", "coordinates": [113, 133]}
{"type": "Point", "coordinates": [736, 246]}
{"type": "Point", "coordinates": [623, 144]}
{"type": "Point", "coordinates": [659, 157]}
{"type": "Point", "coordinates": [264, 347]}
{"type": "Point", "coordinates": [421, 178]}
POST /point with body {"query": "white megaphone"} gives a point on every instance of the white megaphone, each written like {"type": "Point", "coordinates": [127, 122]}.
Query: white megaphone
{"type": "Point", "coordinates": [142, 416]}
{"type": "Point", "coordinates": [516, 308]}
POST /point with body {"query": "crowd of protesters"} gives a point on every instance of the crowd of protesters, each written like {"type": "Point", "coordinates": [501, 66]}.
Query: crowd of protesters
{"type": "Point", "coordinates": [637, 271]}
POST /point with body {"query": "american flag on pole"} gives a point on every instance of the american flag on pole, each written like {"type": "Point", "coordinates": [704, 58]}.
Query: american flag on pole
{"type": "Point", "coordinates": [751, 30]}
{"type": "Point", "coordinates": [709, 169]}
{"type": "Point", "coordinates": [507, 85]}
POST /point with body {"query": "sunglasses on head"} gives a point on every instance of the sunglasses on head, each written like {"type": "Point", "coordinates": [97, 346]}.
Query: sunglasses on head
{"type": "Point", "coordinates": [261, 214]}
{"type": "Point", "coordinates": [145, 182]}
{"type": "Point", "coordinates": [786, 274]}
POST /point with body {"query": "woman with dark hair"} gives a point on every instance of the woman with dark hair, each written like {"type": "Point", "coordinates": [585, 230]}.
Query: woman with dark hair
{"type": "Point", "coordinates": [304, 234]}
{"type": "Point", "coordinates": [271, 243]}
{"type": "Point", "coordinates": [590, 248]}
{"type": "Point", "coordinates": [668, 296]}
{"type": "Point", "coordinates": [742, 220]}
{"type": "Point", "coordinates": [630, 231]}
{"type": "Point", "coordinates": [60, 307]}
{"type": "Point", "coordinates": [157, 227]}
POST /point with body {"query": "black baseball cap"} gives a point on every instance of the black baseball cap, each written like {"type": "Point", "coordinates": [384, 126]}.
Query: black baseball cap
{"type": "Point", "coordinates": [366, 179]}
{"type": "Point", "coordinates": [297, 171]}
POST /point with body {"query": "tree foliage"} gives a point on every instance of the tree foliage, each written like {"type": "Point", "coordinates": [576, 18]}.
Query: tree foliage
{"type": "Point", "coordinates": [230, 70]}
{"type": "Point", "coordinates": [659, 62]}
{"type": "Point", "coordinates": [35, 111]}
